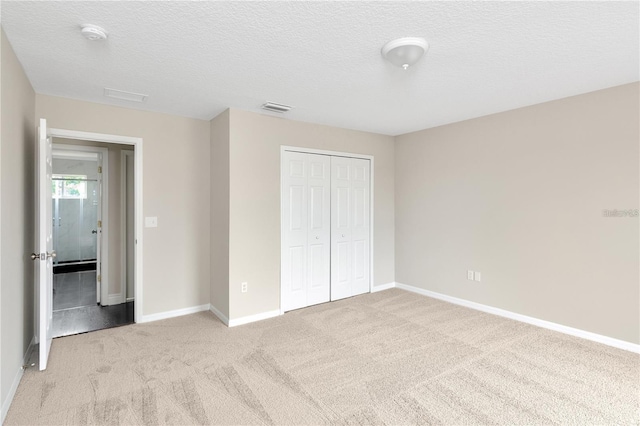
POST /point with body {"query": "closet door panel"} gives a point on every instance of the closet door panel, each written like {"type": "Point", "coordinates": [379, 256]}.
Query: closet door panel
{"type": "Point", "coordinates": [319, 229]}
{"type": "Point", "coordinates": [360, 225]}
{"type": "Point", "coordinates": [295, 223]}
{"type": "Point", "coordinates": [341, 253]}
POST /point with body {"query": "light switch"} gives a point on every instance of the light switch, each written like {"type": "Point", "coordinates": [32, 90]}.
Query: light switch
{"type": "Point", "coordinates": [470, 275]}
{"type": "Point", "coordinates": [478, 276]}
{"type": "Point", "coordinates": [151, 222]}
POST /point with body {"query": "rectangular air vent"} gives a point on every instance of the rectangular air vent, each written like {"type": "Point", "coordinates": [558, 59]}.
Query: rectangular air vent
{"type": "Point", "coordinates": [273, 107]}
{"type": "Point", "coordinates": [125, 96]}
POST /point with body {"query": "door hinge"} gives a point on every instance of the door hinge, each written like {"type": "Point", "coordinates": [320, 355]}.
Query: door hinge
{"type": "Point", "coordinates": [99, 224]}
{"type": "Point", "coordinates": [99, 277]}
{"type": "Point", "coordinates": [99, 169]}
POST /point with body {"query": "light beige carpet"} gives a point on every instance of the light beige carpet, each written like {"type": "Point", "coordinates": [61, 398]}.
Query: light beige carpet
{"type": "Point", "coordinates": [386, 358]}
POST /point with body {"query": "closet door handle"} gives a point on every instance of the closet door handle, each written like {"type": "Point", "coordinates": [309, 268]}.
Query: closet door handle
{"type": "Point", "coordinates": [94, 231]}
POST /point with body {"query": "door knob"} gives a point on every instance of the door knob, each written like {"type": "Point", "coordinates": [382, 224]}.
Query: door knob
{"type": "Point", "coordinates": [35, 256]}
{"type": "Point", "coordinates": [343, 235]}
{"type": "Point", "coordinates": [317, 238]}
{"type": "Point", "coordinates": [94, 231]}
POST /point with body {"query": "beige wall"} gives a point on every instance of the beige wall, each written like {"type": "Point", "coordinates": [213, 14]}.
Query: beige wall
{"type": "Point", "coordinates": [255, 201]}
{"type": "Point", "coordinates": [17, 157]}
{"type": "Point", "coordinates": [114, 234]}
{"type": "Point", "coordinates": [176, 185]}
{"type": "Point", "coordinates": [519, 196]}
{"type": "Point", "coordinates": [220, 213]}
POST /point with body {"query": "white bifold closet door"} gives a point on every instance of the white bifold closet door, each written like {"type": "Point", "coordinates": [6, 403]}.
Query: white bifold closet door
{"type": "Point", "coordinates": [306, 216]}
{"type": "Point", "coordinates": [350, 222]}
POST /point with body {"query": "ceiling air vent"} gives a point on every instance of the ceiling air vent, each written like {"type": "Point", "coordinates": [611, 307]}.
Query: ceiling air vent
{"type": "Point", "coordinates": [125, 96]}
{"type": "Point", "coordinates": [273, 107]}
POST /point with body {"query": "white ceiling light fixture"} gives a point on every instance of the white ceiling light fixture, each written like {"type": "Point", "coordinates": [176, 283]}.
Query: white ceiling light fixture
{"type": "Point", "coordinates": [405, 52]}
{"type": "Point", "coordinates": [93, 32]}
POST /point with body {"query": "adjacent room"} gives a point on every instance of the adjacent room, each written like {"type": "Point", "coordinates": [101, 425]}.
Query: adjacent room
{"type": "Point", "coordinates": [320, 212]}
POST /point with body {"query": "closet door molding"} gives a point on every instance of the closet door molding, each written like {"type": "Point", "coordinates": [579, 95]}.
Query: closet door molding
{"type": "Point", "coordinates": [283, 219]}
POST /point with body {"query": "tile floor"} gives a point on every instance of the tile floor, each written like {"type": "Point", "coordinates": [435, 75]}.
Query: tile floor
{"type": "Point", "coordinates": [75, 309]}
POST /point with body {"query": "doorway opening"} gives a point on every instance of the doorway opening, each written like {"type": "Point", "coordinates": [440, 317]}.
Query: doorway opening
{"type": "Point", "coordinates": [44, 254]}
{"type": "Point", "coordinates": [90, 210]}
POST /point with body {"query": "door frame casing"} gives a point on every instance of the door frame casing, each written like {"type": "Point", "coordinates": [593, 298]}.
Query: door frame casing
{"type": "Point", "coordinates": [124, 207]}
{"type": "Point", "coordinates": [103, 214]}
{"type": "Point", "coordinates": [304, 150]}
{"type": "Point", "coordinates": [137, 144]}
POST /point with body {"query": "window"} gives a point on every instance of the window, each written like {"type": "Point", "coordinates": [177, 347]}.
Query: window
{"type": "Point", "coordinates": [69, 186]}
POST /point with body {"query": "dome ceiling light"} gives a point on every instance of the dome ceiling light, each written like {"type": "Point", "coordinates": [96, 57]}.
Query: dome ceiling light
{"type": "Point", "coordinates": [405, 52]}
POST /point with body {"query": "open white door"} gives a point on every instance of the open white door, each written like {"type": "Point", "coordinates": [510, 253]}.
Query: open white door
{"type": "Point", "coordinates": [44, 243]}
{"type": "Point", "coordinates": [101, 293]}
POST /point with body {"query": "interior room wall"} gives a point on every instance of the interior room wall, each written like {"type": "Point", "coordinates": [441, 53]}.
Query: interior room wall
{"type": "Point", "coordinates": [176, 189]}
{"type": "Point", "coordinates": [254, 230]}
{"type": "Point", "coordinates": [17, 147]}
{"type": "Point", "coordinates": [220, 213]}
{"type": "Point", "coordinates": [519, 196]}
{"type": "Point", "coordinates": [114, 214]}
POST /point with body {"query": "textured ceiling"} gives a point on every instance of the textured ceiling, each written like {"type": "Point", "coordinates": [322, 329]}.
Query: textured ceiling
{"type": "Point", "coordinates": [196, 59]}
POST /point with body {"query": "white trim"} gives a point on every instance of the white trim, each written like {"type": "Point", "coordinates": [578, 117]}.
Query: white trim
{"type": "Point", "coordinates": [124, 154]}
{"type": "Point", "coordinates": [599, 338]}
{"type": "Point", "coordinates": [174, 313]}
{"type": "Point", "coordinates": [94, 137]}
{"type": "Point", "coordinates": [130, 299]}
{"type": "Point", "coordinates": [284, 148]}
{"type": "Point", "coordinates": [103, 213]}
{"type": "Point", "coordinates": [253, 318]}
{"type": "Point", "coordinates": [16, 381]}
{"type": "Point", "coordinates": [222, 317]}
{"type": "Point", "coordinates": [382, 287]}
{"type": "Point", "coordinates": [115, 299]}
{"type": "Point", "coordinates": [138, 206]}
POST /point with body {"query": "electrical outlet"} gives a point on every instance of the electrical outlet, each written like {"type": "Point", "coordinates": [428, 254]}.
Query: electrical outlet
{"type": "Point", "coordinates": [244, 287]}
{"type": "Point", "coordinates": [477, 276]}
{"type": "Point", "coordinates": [470, 275]}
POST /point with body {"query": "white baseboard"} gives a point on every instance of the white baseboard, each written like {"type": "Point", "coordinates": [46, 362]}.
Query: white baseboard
{"type": "Point", "coordinates": [382, 287]}
{"type": "Point", "coordinates": [115, 299]}
{"type": "Point", "coordinates": [173, 314]}
{"type": "Point", "coordinates": [16, 381]}
{"type": "Point", "coordinates": [220, 315]}
{"type": "Point", "coordinates": [253, 318]}
{"type": "Point", "coordinates": [599, 338]}
{"type": "Point", "coordinates": [130, 299]}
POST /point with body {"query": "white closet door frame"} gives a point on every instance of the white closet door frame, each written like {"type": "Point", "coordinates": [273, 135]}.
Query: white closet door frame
{"type": "Point", "coordinates": [284, 148]}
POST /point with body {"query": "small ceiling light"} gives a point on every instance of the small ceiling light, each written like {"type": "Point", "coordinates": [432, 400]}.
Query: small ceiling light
{"type": "Point", "coordinates": [405, 52]}
{"type": "Point", "coordinates": [93, 32]}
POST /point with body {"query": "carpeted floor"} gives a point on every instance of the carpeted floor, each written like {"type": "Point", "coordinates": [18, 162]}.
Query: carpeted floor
{"type": "Point", "coordinates": [385, 358]}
